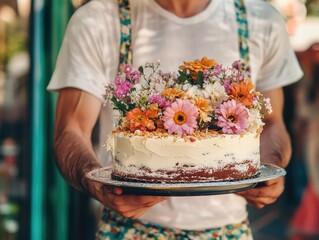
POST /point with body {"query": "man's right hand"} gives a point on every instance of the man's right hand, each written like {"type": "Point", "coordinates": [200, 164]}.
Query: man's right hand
{"type": "Point", "coordinates": [77, 112]}
{"type": "Point", "coordinates": [129, 206]}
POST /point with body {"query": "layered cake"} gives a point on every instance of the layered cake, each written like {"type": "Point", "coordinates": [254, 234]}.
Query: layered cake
{"type": "Point", "coordinates": [171, 159]}
{"type": "Point", "coordinates": [200, 124]}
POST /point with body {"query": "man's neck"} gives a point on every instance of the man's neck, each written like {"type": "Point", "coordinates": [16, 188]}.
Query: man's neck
{"type": "Point", "coordinates": [184, 8]}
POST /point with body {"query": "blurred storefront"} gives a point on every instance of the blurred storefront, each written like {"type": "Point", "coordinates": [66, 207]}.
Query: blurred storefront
{"type": "Point", "coordinates": [14, 105]}
{"type": "Point", "coordinates": [35, 202]}
{"type": "Point", "coordinates": [295, 215]}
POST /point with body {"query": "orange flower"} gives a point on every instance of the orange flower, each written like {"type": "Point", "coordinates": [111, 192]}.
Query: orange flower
{"type": "Point", "coordinates": [198, 65]}
{"type": "Point", "coordinates": [151, 113]}
{"type": "Point", "coordinates": [159, 124]}
{"type": "Point", "coordinates": [241, 92]}
{"type": "Point", "coordinates": [138, 120]}
{"type": "Point", "coordinates": [173, 93]}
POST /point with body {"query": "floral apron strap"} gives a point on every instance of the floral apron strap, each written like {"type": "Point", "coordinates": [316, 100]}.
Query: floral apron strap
{"type": "Point", "coordinates": [126, 32]}
{"type": "Point", "coordinates": [242, 32]}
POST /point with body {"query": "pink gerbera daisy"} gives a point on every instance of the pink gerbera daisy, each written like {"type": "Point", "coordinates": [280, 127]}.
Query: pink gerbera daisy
{"type": "Point", "coordinates": [180, 117]}
{"type": "Point", "coordinates": [233, 117]}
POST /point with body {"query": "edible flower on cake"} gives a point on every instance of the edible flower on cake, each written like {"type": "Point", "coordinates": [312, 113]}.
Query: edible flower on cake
{"type": "Point", "coordinates": [200, 96]}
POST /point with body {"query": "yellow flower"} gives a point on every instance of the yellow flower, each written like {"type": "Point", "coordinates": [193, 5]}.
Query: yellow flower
{"type": "Point", "coordinates": [202, 104]}
{"type": "Point", "coordinates": [154, 106]}
{"type": "Point", "coordinates": [204, 107]}
{"type": "Point", "coordinates": [204, 117]}
{"type": "Point", "coordinates": [173, 93]}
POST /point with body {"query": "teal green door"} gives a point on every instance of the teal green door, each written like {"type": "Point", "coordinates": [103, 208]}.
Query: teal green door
{"type": "Point", "coordinates": [49, 193]}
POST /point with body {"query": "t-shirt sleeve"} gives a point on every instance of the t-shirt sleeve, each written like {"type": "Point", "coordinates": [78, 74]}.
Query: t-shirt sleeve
{"type": "Point", "coordinates": [280, 66]}
{"type": "Point", "coordinates": [80, 63]}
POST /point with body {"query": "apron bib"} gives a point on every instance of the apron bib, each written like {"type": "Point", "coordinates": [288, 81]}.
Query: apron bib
{"type": "Point", "coordinates": [112, 225]}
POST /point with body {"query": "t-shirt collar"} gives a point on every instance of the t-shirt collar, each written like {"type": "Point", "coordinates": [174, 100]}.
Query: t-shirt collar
{"type": "Point", "coordinates": [203, 15]}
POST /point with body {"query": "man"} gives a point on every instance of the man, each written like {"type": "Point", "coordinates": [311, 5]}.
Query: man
{"type": "Point", "coordinates": [172, 31]}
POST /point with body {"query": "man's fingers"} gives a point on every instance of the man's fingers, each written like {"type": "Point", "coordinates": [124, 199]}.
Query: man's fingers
{"type": "Point", "coordinates": [273, 181]}
{"type": "Point", "coordinates": [117, 190]}
{"type": "Point", "coordinates": [262, 200]}
{"type": "Point", "coordinates": [134, 213]}
{"type": "Point", "coordinates": [256, 204]}
{"type": "Point", "coordinates": [132, 200]}
{"type": "Point", "coordinates": [267, 194]}
{"type": "Point", "coordinates": [131, 211]}
{"type": "Point", "coordinates": [131, 206]}
{"type": "Point", "coordinates": [113, 190]}
{"type": "Point", "coordinates": [266, 191]}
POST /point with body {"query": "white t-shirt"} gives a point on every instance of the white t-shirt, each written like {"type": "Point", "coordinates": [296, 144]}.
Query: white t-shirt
{"type": "Point", "coordinates": [89, 59]}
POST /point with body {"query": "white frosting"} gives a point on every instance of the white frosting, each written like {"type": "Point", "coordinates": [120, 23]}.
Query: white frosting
{"type": "Point", "coordinates": [136, 152]}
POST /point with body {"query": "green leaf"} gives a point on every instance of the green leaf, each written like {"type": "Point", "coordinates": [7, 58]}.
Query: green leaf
{"type": "Point", "coordinates": [141, 70]}
{"type": "Point", "coordinates": [200, 80]}
{"type": "Point", "coordinates": [182, 76]}
{"type": "Point", "coordinates": [119, 106]}
{"type": "Point", "coordinates": [131, 106]}
{"type": "Point", "coordinates": [182, 79]}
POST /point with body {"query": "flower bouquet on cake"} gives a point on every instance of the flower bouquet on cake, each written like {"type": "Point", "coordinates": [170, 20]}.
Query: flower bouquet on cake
{"type": "Point", "coordinates": [200, 123]}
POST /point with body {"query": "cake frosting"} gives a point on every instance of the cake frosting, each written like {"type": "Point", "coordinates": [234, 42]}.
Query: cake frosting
{"type": "Point", "coordinates": [177, 159]}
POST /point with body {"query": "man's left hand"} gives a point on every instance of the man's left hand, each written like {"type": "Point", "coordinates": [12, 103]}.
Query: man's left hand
{"type": "Point", "coordinates": [265, 194]}
{"type": "Point", "coordinates": [275, 149]}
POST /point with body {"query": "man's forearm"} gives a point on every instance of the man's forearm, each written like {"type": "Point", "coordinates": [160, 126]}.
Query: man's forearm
{"type": "Point", "coordinates": [275, 144]}
{"type": "Point", "coordinates": [74, 157]}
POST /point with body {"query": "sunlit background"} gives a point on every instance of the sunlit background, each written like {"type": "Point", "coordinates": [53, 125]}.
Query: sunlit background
{"type": "Point", "coordinates": [35, 202]}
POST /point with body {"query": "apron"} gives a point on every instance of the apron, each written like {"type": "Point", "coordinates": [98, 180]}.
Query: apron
{"type": "Point", "coordinates": [113, 226]}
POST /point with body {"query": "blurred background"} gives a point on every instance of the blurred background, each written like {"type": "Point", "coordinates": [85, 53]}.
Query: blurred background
{"type": "Point", "coordinates": [36, 203]}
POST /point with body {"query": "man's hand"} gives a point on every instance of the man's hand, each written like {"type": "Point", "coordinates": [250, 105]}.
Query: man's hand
{"type": "Point", "coordinates": [275, 149]}
{"type": "Point", "coordinates": [265, 194]}
{"type": "Point", "coordinates": [77, 112]}
{"type": "Point", "coordinates": [129, 206]}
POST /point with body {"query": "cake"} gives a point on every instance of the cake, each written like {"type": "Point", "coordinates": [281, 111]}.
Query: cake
{"type": "Point", "coordinates": [171, 159]}
{"type": "Point", "coordinates": [200, 124]}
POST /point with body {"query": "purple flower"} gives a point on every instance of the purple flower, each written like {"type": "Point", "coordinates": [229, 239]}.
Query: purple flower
{"type": "Point", "coordinates": [227, 80]}
{"type": "Point", "coordinates": [240, 77]}
{"type": "Point", "coordinates": [121, 88]}
{"type": "Point", "coordinates": [160, 100]}
{"type": "Point", "coordinates": [127, 68]}
{"type": "Point", "coordinates": [227, 87]}
{"type": "Point", "coordinates": [217, 70]}
{"type": "Point", "coordinates": [135, 76]}
{"type": "Point", "coordinates": [268, 105]}
{"type": "Point", "coordinates": [205, 73]}
{"type": "Point", "coordinates": [237, 65]}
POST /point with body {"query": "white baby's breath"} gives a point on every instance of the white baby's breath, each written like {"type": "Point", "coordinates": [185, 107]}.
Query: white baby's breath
{"type": "Point", "coordinates": [215, 92]}
{"type": "Point", "coordinates": [194, 92]}
{"type": "Point", "coordinates": [254, 120]}
{"type": "Point", "coordinates": [157, 82]}
{"type": "Point", "coordinates": [186, 86]}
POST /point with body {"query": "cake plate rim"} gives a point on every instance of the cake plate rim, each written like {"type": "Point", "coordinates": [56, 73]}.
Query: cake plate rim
{"type": "Point", "coordinates": [267, 172]}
